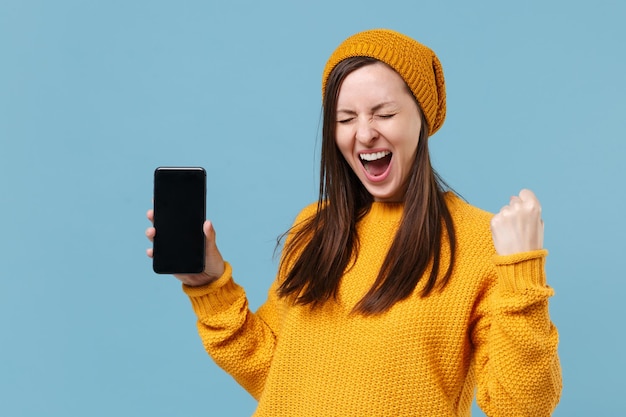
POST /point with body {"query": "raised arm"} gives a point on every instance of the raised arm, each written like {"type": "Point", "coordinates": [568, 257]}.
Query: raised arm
{"type": "Point", "coordinates": [516, 343]}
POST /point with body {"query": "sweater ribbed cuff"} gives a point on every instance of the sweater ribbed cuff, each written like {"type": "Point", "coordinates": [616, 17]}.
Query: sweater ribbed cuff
{"type": "Point", "coordinates": [215, 297]}
{"type": "Point", "coordinates": [521, 271]}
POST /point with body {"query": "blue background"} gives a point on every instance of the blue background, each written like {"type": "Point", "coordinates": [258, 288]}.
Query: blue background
{"type": "Point", "coordinates": [95, 94]}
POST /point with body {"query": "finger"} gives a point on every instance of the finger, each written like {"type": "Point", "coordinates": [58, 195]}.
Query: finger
{"type": "Point", "coordinates": [150, 215]}
{"type": "Point", "coordinates": [150, 252]}
{"type": "Point", "coordinates": [495, 221]}
{"type": "Point", "coordinates": [527, 195]}
{"type": "Point", "coordinates": [530, 201]}
{"type": "Point", "coordinates": [150, 233]}
{"type": "Point", "coordinates": [507, 210]}
{"type": "Point", "coordinates": [514, 200]}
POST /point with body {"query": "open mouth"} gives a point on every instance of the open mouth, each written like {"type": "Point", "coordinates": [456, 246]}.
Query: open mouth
{"type": "Point", "coordinates": [376, 163]}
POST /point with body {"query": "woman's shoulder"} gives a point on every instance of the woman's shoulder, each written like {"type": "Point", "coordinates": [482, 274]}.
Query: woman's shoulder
{"type": "Point", "coordinates": [304, 216]}
{"type": "Point", "coordinates": [470, 222]}
{"type": "Point", "coordinates": [461, 209]}
{"type": "Point", "coordinates": [473, 236]}
{"type": "Point", "coordinates": [306, 213]}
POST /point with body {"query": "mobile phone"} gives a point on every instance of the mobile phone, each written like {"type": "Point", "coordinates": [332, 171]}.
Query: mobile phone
{"type": "Point", "coordinates": [179, 213]}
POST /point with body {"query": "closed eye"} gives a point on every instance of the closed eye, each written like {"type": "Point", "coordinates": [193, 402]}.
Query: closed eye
{"type": "Point", "coordinates": [386, 116]}
{"type": "Point", "coordinates": [345, 120]}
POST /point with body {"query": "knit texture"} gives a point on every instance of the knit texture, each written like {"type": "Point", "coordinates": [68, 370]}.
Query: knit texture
{"type": "Point", "coordinates": [416, 63]}
{"type": "Point", "coordinates": [489, 329]}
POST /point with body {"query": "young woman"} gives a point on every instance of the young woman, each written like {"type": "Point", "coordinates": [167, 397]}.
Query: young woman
{"type": "Point", "coordinates": [394, 297]}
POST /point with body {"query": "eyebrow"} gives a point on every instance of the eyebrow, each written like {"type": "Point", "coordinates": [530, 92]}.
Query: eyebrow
{"type": "Point", "coordinates": [374, 109]}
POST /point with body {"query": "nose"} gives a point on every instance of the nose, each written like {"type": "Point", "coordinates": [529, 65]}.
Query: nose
{"type": "Point", "coordinates": [365, 131]}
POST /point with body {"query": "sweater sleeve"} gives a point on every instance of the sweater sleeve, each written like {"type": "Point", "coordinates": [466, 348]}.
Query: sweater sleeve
{"type": "Point", "coordinates": [239, 341]}
{"type": "Point", "coordinates": [517, 364]}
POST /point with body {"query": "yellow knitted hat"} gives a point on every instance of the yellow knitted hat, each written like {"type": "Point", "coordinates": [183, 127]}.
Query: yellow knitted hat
{"type": "Point", "coordinates": [417, 65]}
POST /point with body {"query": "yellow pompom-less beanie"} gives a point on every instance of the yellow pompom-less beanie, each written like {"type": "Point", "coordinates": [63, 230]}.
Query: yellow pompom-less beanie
{"type": "Point", "coordinates": [416, 63]}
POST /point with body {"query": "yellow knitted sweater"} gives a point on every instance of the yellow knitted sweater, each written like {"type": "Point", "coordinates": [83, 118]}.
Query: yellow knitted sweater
{"type": "Point", "coordinates": [488, 329]}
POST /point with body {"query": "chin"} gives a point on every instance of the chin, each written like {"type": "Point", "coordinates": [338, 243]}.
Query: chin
{"type": "Point", "coordinates": [387, 197]}
{"type": "Point", "coordinates": [388, 194]}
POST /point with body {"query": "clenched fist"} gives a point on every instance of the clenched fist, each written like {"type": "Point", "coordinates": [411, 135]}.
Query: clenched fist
{"type": "Point", "coordinates": [518, 226]}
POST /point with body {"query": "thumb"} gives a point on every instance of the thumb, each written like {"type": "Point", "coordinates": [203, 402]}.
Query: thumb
{"type": "Point", "coordinates": [209, 231]}
{"type": "Point", "coordinates": [214, 263]}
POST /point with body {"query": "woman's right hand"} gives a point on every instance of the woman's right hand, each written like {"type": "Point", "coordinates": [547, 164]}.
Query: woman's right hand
{"type": "Point", "coordinates": [213, 264]}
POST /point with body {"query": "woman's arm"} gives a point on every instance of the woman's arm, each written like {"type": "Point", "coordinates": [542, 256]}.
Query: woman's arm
{"type": "Point", "coordinates": [239, 341]}
{"type": "Point", "coordinates": [517, 363]}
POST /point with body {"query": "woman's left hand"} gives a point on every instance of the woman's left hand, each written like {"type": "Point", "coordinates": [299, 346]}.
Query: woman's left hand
{"type": "Point", "coordinates": [518, 226]}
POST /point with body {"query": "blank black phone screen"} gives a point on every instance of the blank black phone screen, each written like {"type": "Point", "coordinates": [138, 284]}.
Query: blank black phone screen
{"type": "Point", "coordinates": [179, 212]}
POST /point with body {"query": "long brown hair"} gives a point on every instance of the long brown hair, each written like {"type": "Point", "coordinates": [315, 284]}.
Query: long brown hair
{"type": "Point", "coordinates": [319, 251]}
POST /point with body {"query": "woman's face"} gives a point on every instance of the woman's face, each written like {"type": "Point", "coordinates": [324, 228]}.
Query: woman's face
{"type": "Point", "coordinates": [378, 127]}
